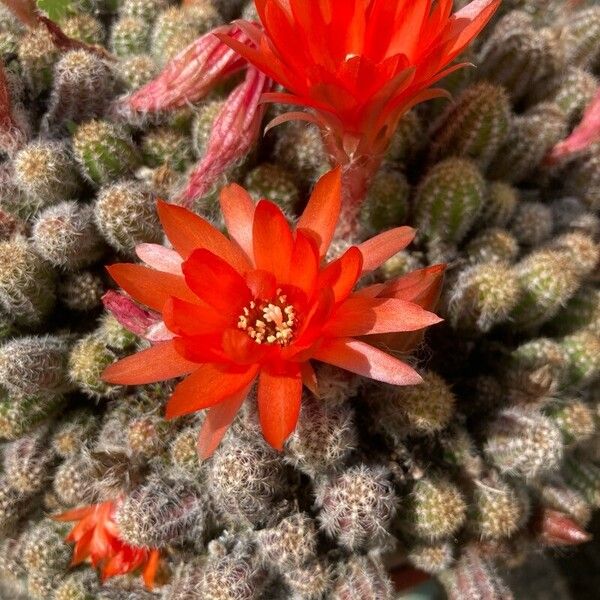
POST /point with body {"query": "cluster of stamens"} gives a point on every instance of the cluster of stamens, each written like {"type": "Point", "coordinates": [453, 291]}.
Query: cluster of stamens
{"type": "Point", "coordinates": [269, 322]}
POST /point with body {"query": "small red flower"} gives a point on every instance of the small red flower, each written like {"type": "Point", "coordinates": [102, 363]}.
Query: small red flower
{"type": "Point", "coordinates": [360, 64]}
{"type": "Point", "coordinates": [96, 537]}
{"type": "Point", "coordinates": [263, 304]}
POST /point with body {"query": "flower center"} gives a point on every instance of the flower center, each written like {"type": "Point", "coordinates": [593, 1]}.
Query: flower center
{"type": "Point", "coordinates": [269, 322]}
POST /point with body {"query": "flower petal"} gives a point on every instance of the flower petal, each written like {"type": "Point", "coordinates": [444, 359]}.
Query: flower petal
{"type": "Point", "coordinates": [383, 246]}
{"type": "Point", "coordinates": [466, 24]}
{"type": "Point", "coordinates": [216, 282]}
{"type": "Point", "coordinates": [360, 358]}
{"type": "Point", "coordinates": [421, 287]}
{"type": "Point", "coordinates": [149, 573]}
{"type": "Point", "coordinates": [305, 264]}
{"type": "Point", "coordinates": [218, 419]}
{"type": "Point", "coordinates": [272, 240]}
{"type": "Point", "coordinates": [185, 318]}
{"type": "Point", "coordinates": [206, 387]}
{"type": "Point", "coordinates": [366, 316]}
{"type": "Point", "coordinates": [160, 258]}
{"type": "Point", "coordinates": [322, 212]}
{"type": "Point", "coordinates": [279, 398]}
{"type": "Point", "coordinates": [238, 212]}
{"type": "Point", "coordinates": [188, 232]}
{"type": "Point", "coordinates": [342, 274]}
{"type": "Point", "coordinates": [149, 287]}
{"type": "Point", "coordinates": [158, 363]}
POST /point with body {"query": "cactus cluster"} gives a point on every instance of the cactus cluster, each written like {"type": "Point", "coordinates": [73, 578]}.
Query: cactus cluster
{"type": "Point", "coordinates": [456, 477]}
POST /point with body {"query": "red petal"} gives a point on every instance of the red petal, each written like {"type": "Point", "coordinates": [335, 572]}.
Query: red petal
{"type": "Point", "coordinates": [262, 284]}
{"type": "Point", "coordinates": [201, 348]}
{"type": "Point", "coordinates": [342, 274]}
{"type": "Point", "coordinates": [272, 240]}
{"type": "Point", "coordinates": [188, 232]}
{"type": "Point", "coordinates": [383, 246]}
{"type": "Point", "coordinates": [184, 318]}
{"type": "Point", "coordinates": [365, 316]}
{"type": "Point", "coordinates": [218, 419]}
{"type": "Point", "coordinates": [360, 358]}
{"type": "Point", "coordinates": [279, 399]}
{"type": "Point", "coordinates": [158, 363]}
{"type": "Point", "coordinates": [149, 287]}
{"type": "Point", "coordinates": [206, 387]}
{"type": "Point", "coordinates": [238, 212]}
{"type": "Point", "coordinates": [305, 264]}
{"type": "Point", "coordinates": [322, 212]}
{"type": "Point", "coordinates": [216, 282]}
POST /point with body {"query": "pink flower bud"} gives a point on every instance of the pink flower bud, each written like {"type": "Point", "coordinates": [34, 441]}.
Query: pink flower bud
{"type": "Point", "coordinates": [234, 132]}
{"type": "Point", "coordinates": [583, 136]}
{"type": "Point", "coordinates": [192, 73]}
{"type": "Point", "coordinates": [129, 314]}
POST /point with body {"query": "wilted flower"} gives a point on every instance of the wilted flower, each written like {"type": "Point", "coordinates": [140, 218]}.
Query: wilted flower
{"type": "Point", "coordinates": [263, 304]}
{"type": "Point", "coordinates": [96, 537]}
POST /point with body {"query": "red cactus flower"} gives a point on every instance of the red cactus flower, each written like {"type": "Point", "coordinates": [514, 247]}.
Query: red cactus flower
{"type": "Point", "coordinates": [264, 304]}
{"type": "Point", "coordinates": [360, 63]}
{"type": "Point", "coordinates": [96, 537]}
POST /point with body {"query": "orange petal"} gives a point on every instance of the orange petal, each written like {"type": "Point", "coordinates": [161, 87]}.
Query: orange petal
{"type": "Point", "coordinates": [238, 212]}
{"type": "Point", "coordinates": [207, 386]}
{"type": "Point", "coordinates": [383, 246]}
{"type": "Point", "coordinates": [218, 419]}
{"type": "Point", "coordinates": [421, 287]}
{"type": "Point", "coordinates": [158, 363]}
{"type": "Point", "coordinates": [323, 209]}
{"type": "Point", "coordinates": [342, 274]}
{"type": "Point", "coordinates": [360, 358]}
{"type": "Point", "coordinates": [75, 514]}
{"type": "Point", "coordinates": [262, 284]}
{"type": "Point", "coordinates": [272, 240]}
{"type": "Point", "coordinates": [149, 287]}
{"type": "Point", "coordinates": [216, 282]}
{"type": "Point", "coordinates": [185, 318]}
{"type": "Point", "coordinates": [366, 316]}
{"type": "Point", "coordinates": [279, 399]}
{"type": "Point", "coordinates": [82, 548]}
{"type": "Point", "coordinates": [468, 22]}
{"type": "Point", "coordinates": [151, 568]}
{"type": "Point", "coordinates": [188, 232]}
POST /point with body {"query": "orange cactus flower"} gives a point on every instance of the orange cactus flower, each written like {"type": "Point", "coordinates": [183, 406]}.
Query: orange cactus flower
{"type": "Point", "coordinates": [262, 305]}
{"type": "Point", "coordinates": [360, 64]}
{"type": "Point", "coordinates": [96, 538]}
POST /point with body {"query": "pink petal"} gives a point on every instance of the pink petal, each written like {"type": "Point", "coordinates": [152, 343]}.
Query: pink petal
{"type": "Point", "coordinates": [129, 314]}
{"type": "Point", "coordinates": [160, 258]}
{"type": "Point", "coordinates": [234, 132]}
{"type": "Point", "coordinates": [192, 73]}
{"type": "Point", "coordinates": [360, 358]}
{"type": "Point", "coordinates": [583, 136]}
